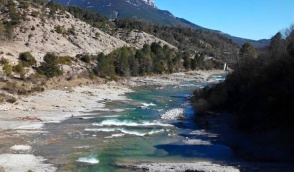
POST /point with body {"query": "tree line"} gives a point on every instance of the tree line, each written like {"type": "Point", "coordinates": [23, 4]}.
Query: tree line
{"type": "Point", "coordinates": [260, 91]}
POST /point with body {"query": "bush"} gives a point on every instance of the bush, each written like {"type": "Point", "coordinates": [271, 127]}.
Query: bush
{"type": "Point", "coordinates": [3, 61]}
{"type": "Point", "coordinates": [10, 87]}
{"type": "Point", "coordinates": [49, 67]}
{"type": "Point", "coordinates": [37, 89]}
{"type": "Point", "coordinates": [19, 68]}
{"type": "Point", "coordinates": [7, 69]}
{"type": "Point", "coordinates": [35, 13]}
{"type": "Point", "coordinates": [64, 60]}
{"type": "Point", "coordinates": [92, 75]}
{"type": "Point", "coordinates": [27, 59]}
{"type": "Point", "coordinates": [11, 100]}
{"type": "Point", "coordinates": [84, 58]}
{"type": "Point", "coordinates": [59, 29]}
{"type": "Point", "coordinates": [50, 58]}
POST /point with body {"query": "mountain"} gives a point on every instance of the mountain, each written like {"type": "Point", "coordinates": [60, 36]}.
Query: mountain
{"type": "Point", "coordinates": [256, 43]}
{"type": "Point", "coordinates": [146, 10]}
{"type": "Point", "coordinates": [60, 33]}
{"type": "Point", "coordinates": [136, 9]}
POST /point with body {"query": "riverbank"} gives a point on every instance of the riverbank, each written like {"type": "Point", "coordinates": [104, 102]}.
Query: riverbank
{"type": "Point", "coordinates": [28, 115]}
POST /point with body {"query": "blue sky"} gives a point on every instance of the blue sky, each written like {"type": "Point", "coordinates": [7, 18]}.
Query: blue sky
{"type": "Point", "coordinates": [254, 19]}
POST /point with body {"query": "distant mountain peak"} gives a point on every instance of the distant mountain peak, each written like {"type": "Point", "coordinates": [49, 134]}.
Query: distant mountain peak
{"type": "Point", "coordinates": [150, 3]}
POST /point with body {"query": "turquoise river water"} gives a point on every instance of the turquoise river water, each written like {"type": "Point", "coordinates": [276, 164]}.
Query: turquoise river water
{"type": "Point", "coordinates": [135, 133]}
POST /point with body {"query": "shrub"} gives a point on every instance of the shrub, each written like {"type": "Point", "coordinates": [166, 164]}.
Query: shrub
{"type": "Point", "coordinates": [50, 58]}
{"type": "Point", "coordinates": [19, 68]}
{"type": "Point", "coordinates": [3, 61]}
{"type": "Point", "coordinates": [92, 75]}
{"type": "Point", "coordinates": [11, 100]}
{"type": "Point", "coordinates": [97, 34]}
{"type": "Point", "coordinates": [59, 29]}
{"type": "Point", "coordinates": [84, 58]}
{"type": "Point", "coordinates": [10, 87]}
{"type": "Point", "coordinates": [35, 13]}
{"type": "Point", "coordinates": [27, 59]}
{"type": "Point", "coordinates": [37, 89]}
{"type": "Point", "coordinates": [7, 69]}
{"type": "Point", "coordinates": [64, 60]}
{"type": "Point", "coordinates": [49, 67]}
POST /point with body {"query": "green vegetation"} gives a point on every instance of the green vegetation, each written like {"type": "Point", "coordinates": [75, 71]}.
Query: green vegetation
{"type": "Point", "coordinates": [194, 45]}
{"type": "Point", "coordinates": [50, 66]}
{"type": "Point", "coordinates": [14, 16]}
{"type": "Point", "coordinates": [64, 60]}
{"type": "Point", "coordinates": [7, 68]}
{"type": "Point", "coordinates": [151, 59]}
{"type": "Point", "coordinates": [84, 58]}
{"type": "Point", "coordinates": [26, 59]}
{"type": "Point", "coordinates": [248, 50]}
{"type": "Point", "coordinates": [260, 92]}
{"type": "Point", "coordinates": [19, 68]}
{"type": "Point", "coordinates": [21, 89]}
{"type": "Point", "coordinates": [186, 39]}
{"type": "Point", "coordinates": [59, 29]}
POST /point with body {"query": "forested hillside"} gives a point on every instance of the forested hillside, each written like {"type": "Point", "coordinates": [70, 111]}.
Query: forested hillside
{"type": "Point", "coordinates": [259, 94]}
{"type": "Point", "coordinates": [53, 40]}
{"type": "Point", "coordinates": [185, 38]}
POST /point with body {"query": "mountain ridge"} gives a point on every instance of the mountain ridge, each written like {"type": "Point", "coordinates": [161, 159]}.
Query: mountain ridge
{"type": "Point", "coordinates": [146, 10]}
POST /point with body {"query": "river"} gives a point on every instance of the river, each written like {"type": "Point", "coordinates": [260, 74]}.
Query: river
{"type": "Point", "coordinates": [134, 132]}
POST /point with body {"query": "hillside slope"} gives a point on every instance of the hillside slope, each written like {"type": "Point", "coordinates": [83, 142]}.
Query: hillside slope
{"type": "Point", "coordinates": [64, 35]}
{"type": "Point", "coordinates": [140, 10]}
{"type": "Point", "coordinates": [136, 9]}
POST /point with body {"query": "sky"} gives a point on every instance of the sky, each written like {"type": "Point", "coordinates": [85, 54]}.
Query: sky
{"type": "Point", "coordinates": [253, 19]}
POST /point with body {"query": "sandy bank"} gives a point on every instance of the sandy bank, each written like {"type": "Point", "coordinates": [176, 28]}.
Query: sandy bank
{"type": "Point", "coordinates": [175, 78]}
{"type": "Point", "coordinates": [32, 112]}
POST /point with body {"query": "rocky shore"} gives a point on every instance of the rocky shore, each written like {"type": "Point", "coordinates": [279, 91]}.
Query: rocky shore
{"type": "Point", "coordinates": [194, 166]}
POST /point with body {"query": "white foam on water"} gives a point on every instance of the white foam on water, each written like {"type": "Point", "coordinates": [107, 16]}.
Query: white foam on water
{"type": "Point", "coordinates": [102, 129]}
{"type": "Point", "coordinates": [116, 122]}
{"type": "Point", "coordinates": [147, 105]}
{"type": "Point", "coordinates": [156, 131]}
{"type": "Point", "coordinates": [132, 132]}
{"type": "Point", "coordinates": [124, 131]}
{"type": "Point", "coordinates": [88, 160]}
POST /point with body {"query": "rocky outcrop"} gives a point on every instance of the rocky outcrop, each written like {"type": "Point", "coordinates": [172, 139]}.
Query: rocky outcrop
{"type": "Point", "coordinates": [150, 3]}
{"type": "Point", "coordinates": [138, 38]}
